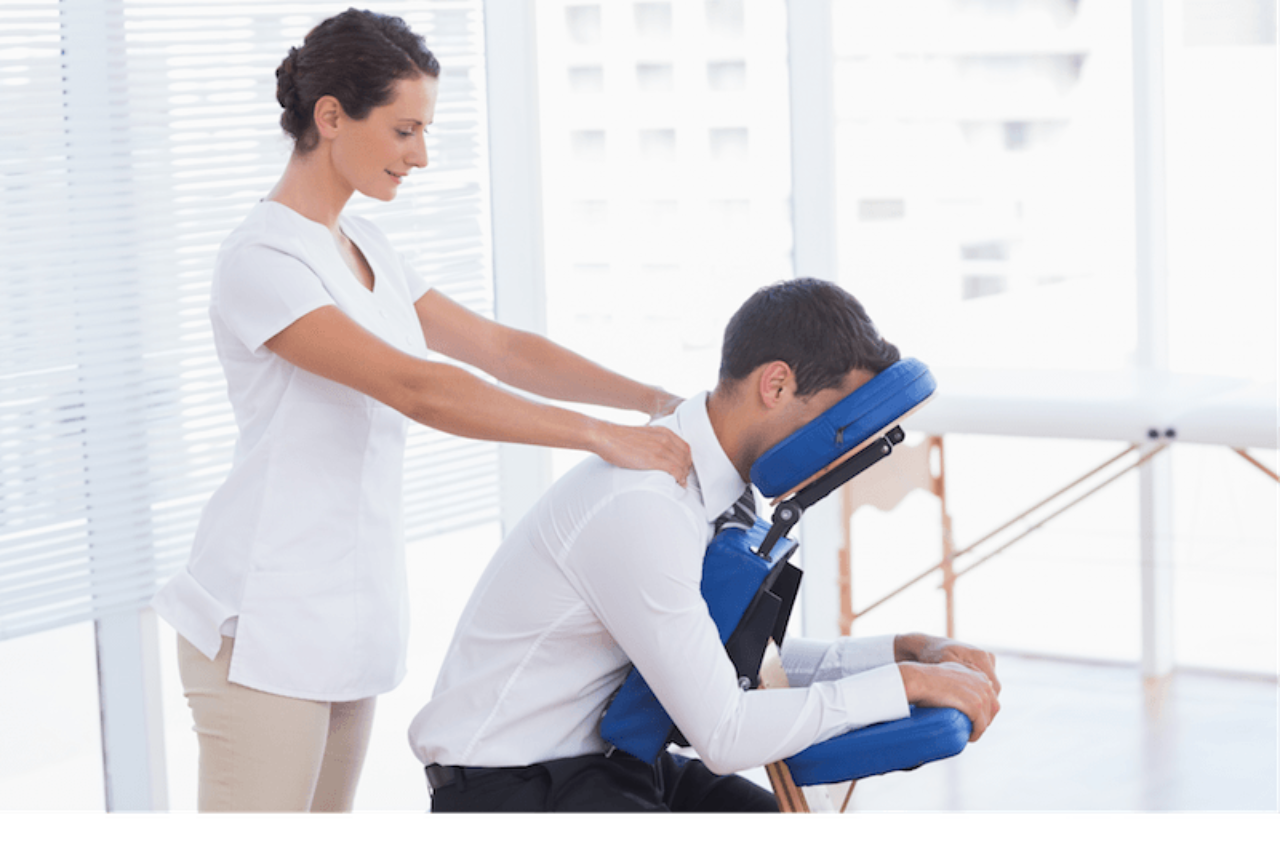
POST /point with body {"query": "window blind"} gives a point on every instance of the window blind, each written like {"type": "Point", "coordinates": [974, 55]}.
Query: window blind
{"type": "Point", "coordinates": [145, 131]}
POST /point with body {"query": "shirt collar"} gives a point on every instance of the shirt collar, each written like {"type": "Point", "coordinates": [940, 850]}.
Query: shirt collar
{"type": "Point", "coordinates": [718, 479]}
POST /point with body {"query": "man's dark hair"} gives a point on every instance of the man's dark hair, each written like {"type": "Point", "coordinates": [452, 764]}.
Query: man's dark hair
{"type": "Point", "coordinates": [818, 329]}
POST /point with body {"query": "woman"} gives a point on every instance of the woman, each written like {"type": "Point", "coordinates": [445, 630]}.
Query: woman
{"type": "Point", "coordinates": [292, 613]}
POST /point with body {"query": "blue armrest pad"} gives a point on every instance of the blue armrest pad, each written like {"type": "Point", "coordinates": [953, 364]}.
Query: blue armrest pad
{"type": "Point", "coordinates": [932, 733]}
{"type": "Point", "coordinates": [861, 415]}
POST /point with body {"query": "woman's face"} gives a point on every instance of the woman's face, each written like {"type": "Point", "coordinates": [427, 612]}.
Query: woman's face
{"type": "Point", "coordinates": [375, 153]}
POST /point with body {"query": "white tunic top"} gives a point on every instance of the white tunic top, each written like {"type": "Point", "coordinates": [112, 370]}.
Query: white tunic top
{"type": "Point", "coordinates": [603, 572]}
{"type": "Point", "coordinates": [300, 553]}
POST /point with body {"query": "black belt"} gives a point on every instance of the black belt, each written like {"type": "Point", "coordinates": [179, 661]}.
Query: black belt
{"type": "Point", "coordinates": [439, 777]}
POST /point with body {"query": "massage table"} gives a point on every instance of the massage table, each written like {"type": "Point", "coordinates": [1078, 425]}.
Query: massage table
{"type": "Point", "coordinates": [1148, 410]}
{"type": "Point", "coordinates": [750, 584]}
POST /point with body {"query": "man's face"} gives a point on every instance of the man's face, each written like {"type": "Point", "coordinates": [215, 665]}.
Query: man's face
{"type": "Point", "coordinates": [797, 411]}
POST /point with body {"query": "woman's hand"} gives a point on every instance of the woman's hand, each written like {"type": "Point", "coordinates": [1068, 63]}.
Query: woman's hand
{"type": "Point", "coordinates": [664, 404]}
{"type": "Point", "coordinates": [644, 448]}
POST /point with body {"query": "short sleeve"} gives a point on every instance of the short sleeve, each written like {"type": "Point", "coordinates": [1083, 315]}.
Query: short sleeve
{"type": "Point", "coordinates": [418, 286]}
{"type": "Point", "coordinates": [259, 292]}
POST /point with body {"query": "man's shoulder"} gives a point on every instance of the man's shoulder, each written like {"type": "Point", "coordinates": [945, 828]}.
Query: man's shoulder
{"type": "Point", "coordinates": [608, 481]}
{"type": "Point", "coordinates": [597, 489]}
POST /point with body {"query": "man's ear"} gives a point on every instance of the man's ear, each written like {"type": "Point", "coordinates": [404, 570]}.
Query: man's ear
{"type": "Point", "coordinates": [775, 381]}
{"type": "Point", "coordinates": [328, 113]}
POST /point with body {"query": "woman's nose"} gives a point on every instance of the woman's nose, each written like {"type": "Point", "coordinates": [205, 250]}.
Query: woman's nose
{"type": "Point", "coordinates": [418, 156]}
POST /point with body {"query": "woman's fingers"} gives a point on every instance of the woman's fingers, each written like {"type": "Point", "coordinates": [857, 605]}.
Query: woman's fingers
{"type": "Point", "coordinates": [648, 448]}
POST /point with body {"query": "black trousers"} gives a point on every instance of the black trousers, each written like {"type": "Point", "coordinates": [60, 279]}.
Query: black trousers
{"type": "Point", "coordinates": [599, 783]}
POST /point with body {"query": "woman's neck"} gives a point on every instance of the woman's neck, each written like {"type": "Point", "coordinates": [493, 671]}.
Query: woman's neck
{"type": "Point", "coordinates": [311, 189]}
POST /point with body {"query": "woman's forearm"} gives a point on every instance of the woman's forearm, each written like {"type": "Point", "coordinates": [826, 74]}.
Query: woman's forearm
{"type": "Point", "coordinates": [453, 400]}
{"type": "Point", "coordinates": [530, 361]}
{"type": "Point", "coordinates": [330, 344]}
{"type": "Point", "coordinates": [538, 365]}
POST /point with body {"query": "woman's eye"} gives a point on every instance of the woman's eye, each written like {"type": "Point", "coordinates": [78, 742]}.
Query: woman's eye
{"type": "Point", "coordinates": [405, 133]}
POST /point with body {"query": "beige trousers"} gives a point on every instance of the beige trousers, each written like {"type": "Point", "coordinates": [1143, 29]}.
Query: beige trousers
{"type": "Point", "coordinates": [265, 752]}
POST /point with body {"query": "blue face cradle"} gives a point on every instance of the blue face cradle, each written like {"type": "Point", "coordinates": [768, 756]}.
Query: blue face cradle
{"type": "Point", "coordinates": [862, 415]}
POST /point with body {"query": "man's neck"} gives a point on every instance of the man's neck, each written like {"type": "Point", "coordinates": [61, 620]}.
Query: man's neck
{"type": "Point", "coordinates": [731, 429]}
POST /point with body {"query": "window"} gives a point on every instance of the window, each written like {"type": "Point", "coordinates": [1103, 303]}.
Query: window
{"type": "Point", "coordinates": [666, 177]}
{"type": "Point", "coordinates": [148, 129]}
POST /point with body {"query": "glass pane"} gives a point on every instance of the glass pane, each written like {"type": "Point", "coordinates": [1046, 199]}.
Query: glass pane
{"type": "Point", "coordinates": [666, 177]}
{"type": "Point", "coordinates": [1220, 68]}
{"type": "Point", "coordinates": [984, 178]}
{"type": "Point", "coordinates": [1221, 161]}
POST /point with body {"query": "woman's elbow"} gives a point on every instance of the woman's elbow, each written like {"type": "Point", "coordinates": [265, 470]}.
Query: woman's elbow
{"type": "Point", "coordinates": [444, 397]}
{"type": "Point", "coordinates": [416, 396]}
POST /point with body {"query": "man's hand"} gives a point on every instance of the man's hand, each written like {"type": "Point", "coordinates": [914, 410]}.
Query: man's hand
{"type": "Point", "coordinates": [952, 685]}
{"type": "Point", "coordinates": [932, 650]}
{"type": "Point", "coordinates": [941, 672]}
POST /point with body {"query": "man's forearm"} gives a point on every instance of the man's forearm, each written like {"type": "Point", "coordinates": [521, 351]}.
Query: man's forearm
{"type": "Point", "coordinates": [812, 660]}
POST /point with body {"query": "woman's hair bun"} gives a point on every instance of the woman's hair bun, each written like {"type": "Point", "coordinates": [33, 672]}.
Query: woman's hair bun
{"type": "Point", "coordinates": [286, 88]}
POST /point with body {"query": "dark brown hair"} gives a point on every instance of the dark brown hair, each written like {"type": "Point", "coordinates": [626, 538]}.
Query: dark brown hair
{"type": "Point", "coordinates": [818, 329]}
{"type": "Point", "coordinates": [356, 57]}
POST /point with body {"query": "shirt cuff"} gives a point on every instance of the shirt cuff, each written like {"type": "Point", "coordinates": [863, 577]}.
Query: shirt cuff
{"type": "Point", "coordinates": [810, 661]}
{"type": "Point", "coordinates": [877, 695]}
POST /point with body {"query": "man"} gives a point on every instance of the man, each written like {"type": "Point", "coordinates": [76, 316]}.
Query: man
{"type": "Point", "coordinates": [604, 572]}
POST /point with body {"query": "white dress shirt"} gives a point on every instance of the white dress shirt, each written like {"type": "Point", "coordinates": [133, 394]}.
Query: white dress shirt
{"type": "Point", "coordinates": [300, 553]}
{"type": "Point", "coordinates": [603, 572]}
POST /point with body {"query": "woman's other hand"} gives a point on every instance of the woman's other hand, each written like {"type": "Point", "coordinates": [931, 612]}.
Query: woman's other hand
{"type": "Point", "coordinates": [664, 404]}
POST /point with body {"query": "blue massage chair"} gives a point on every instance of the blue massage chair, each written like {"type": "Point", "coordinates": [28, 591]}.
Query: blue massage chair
{"type": "Point", "coordinates": [750, 586]}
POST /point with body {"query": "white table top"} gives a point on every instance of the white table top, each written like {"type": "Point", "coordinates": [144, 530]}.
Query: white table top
{"type": "Point", "coordinates": [1119, 405]}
